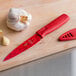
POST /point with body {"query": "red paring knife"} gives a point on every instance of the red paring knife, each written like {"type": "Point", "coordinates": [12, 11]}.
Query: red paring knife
{"type": "Point", "coordinates": [55, 24]}
{"type": "Point", "coordinates": [69, 35]}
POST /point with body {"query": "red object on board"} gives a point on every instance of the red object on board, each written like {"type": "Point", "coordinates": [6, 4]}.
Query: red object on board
{"type": "Point", "coordinates": [69, 35]}
{"type": "Point", "coordinates": [55, 24]}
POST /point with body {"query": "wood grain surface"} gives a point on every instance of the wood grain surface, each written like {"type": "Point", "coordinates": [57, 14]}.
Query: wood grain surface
{"type": "Point", "coordinates": [43, 11]}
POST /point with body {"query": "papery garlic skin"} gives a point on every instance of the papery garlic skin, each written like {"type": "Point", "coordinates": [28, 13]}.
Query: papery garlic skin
{"type": "Point", "coordinates": [13, 19]}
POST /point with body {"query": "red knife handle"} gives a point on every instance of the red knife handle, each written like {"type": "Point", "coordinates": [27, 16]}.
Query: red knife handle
{"type": "Point", "coordinates": [55, 24]}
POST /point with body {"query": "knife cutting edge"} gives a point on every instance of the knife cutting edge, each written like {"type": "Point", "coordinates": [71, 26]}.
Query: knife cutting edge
{"type": "Point", "coordinates": [55, 24]}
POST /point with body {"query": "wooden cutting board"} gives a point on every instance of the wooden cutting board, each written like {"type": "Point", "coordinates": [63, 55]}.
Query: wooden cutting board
{"type": "Point", "coordinates": [43, 11]}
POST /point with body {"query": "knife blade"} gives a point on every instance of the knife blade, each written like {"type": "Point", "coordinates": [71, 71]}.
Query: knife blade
{"type": "Point", "coordinates": [55, 24]}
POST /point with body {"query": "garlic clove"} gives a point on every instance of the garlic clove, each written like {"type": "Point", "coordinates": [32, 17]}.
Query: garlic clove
{"type": "Point", "coordinates": [1, 35]}
{"type": "Point", "coordinates": [0, 31]}
{"type": "Point", "coordinates": [5, 41]}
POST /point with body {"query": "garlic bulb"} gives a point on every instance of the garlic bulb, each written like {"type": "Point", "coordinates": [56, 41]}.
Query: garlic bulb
{"type": "Point", "coordinates": [18, 19]}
